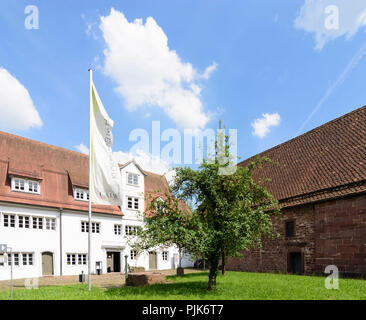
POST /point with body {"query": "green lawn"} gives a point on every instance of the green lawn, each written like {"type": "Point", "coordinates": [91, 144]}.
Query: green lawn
{"type": "Point", "coordinates": [234, 285]}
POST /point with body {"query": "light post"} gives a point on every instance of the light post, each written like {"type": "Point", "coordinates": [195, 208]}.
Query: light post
{"type": "Point", "coordinates": [4, 249]}
{"type": "Point", "coordinates": [126, 268]}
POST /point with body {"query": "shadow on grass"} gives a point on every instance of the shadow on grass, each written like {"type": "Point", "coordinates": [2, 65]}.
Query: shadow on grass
{"type": "Point", "coordinates": [193, 285]}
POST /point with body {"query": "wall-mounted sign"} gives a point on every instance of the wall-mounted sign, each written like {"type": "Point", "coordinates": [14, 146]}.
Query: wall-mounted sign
{"type": "Point", "coordinates": [3, 248]}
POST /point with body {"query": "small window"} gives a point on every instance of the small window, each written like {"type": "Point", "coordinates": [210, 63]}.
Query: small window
{"type": "Point", "coordinates": [81, 194]}
{"type": "Point", "coordinates": [132, 203]}
{"type": "Point", "coordinates": [9, 220]}
{"type": "Point", "coordinates": [84, 226]}
{"type": "Point", "coordinates": [26, 222]}
{"type": "Point", "coordinates": [30, 259]}
{"type": "Point", "coordinates": [133, 254]}
{"type": "Point", "coordinates": [50, 224]}
{"type": "Point", "coordinates": [95, 227]}
{"type": "Point", "coordinates": [136, 204]}
{"type": "Point", "coordinates": [117, 229]}
{"type": "Point", "coordinates": [132, 178]}
{"type": "Point", "coordinates": [290, 228]}
{"type": "Point", "coordinates": [131, 230]}
{"type": "Point", "coordinates": [37, 223]}
{"type": "Point", "coordinates": [165, 255]}
{"type": "Point", "coordinates": [25, 185]}
{"type": "Point", "coordinates": [16, 259]}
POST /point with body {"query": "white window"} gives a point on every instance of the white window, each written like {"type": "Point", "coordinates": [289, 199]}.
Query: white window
{"type": "Point", "coordinates": [84, 226]}
{"type": "Point", "coordinates": [133, 254]}
{"type": "Point", "coordinates": [37, 223]}
{"type": "Point", "coordinates": [71, 259]}
{"type": "Point", "coordinates": [50, 224]}
{"type": "Point", "coordinates": [95, 227]}
{"type": "Point", "coordinates": [133, 203]}
{"type": "Point", "coordinates": [9, 220]}
{"type": "Point", "coordinates": [81, 194]}
{"type": "Point", "coordinates": [16, 259]}
{"type": "Point", "coordinates": [27, 259]}
{"type": "Point", "coordinates": [76, 259]}
{"type": "Point", "coordinates": [132, 178]}
{"type": "Point", "coordinates": [165, 255]}
{"type": "Point", "coordinates": [117, 229]}
{"type": "Point", "coordinates": [131, 230]}
{"type": "Point", "coordinates": [82, 259]}
{"type": "Point", "coordinates": [25, 185]}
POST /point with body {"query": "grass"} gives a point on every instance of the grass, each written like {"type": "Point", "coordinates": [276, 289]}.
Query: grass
{"type": "Point", "coordinates": [232, 286]}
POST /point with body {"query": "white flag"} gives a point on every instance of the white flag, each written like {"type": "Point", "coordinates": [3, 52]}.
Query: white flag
{"type": "Point", "coordinates": [105, 177]}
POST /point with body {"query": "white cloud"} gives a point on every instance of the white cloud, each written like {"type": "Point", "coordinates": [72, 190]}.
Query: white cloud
{"type": "Point", "coordinates": [82, 148]}
{"type": "Point", "coordinates": [17, 110]}
{"type": "Point", "coordinates": [148, 72]}
{"type": "Point", "coordinates": [261, 125]}
{"type": "Point", "coordinates": [313, 18]}
{"type": "Point", "coordinates": [207, 74]}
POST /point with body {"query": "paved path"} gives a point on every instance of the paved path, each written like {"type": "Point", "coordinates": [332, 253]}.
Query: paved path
{"type": "Point", "coordinates": [108, 280]}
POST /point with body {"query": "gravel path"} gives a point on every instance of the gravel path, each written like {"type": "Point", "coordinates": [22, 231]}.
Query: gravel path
{"type": "Point", "coordinates": [108, 280]}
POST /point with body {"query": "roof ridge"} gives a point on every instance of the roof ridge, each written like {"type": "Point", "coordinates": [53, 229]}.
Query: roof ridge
{"type": "Point", "coordinates": [306, 133]}
{"type": "Point", "coordinates": [42, 143]}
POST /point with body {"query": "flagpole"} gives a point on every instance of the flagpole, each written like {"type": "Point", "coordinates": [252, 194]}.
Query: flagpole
{"type": "Point", "coordinates": [90, 177]}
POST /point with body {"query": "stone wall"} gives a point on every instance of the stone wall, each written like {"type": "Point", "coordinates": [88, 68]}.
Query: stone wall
{"type": "Point", "coordinates": [341, 235]}
{"type": "Point", "coordinates": [327, 233]}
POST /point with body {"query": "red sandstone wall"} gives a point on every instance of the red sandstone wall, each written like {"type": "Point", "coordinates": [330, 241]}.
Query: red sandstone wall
{"type": "Point", "coordinates": [341, 234]}
{"type": "Point", "coordinates": [273, 255]}
{"type": "Point", "coordinates": [332, 232]}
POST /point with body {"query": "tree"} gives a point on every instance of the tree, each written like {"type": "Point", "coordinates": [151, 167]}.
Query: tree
{"type": "Point", "coordinates": [168, 222]}
{"type": "Point", "coordinates": [232, 214]}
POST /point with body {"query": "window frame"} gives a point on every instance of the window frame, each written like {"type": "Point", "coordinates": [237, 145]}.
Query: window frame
{"type": "Point", "coordinates": [165, 255]}
{"type": "Point", "coordinates": [28, 185]}
{"type": "Point", "coordinates": [293, 222]}
{"type": "Point", "coordinates": [133, 202]}
{"type": "Point", "coordinates": [134, 179]}
{"type": "Point", "coordinates": [83, 192]}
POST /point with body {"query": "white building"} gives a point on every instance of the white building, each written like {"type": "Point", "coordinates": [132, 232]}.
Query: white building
{"type": "Point", "coordinates": [44, 213]}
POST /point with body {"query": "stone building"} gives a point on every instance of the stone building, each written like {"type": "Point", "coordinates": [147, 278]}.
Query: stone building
{"type": "Point", "coordinates": [320, 183]}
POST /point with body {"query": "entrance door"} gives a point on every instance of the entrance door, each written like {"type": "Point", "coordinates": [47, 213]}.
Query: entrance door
{"type": "Point", "coordinates": [152, 260]}
{"type": "Point", "coordinates": [295, 262]}
{"type": "Point", "coordinates": [116, 261]}
{"type": "Point", "coordinates": [47, 263]}
{"type": "Point", "coordinates": [113, 262]}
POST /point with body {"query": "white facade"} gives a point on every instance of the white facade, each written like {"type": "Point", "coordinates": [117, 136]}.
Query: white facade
{"type": "Point", "coordinates": [55, 241]}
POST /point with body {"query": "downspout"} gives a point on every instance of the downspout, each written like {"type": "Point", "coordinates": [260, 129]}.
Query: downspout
{"type": "Point", "coordinates": [60, 241]}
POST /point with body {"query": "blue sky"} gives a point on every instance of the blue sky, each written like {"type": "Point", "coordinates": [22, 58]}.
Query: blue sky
{"type": "Point", "coordinates": [266, 57]}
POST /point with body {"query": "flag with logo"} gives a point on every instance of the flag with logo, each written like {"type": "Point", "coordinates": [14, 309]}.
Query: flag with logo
{"type": "Point", "coordinates": [105, 183]}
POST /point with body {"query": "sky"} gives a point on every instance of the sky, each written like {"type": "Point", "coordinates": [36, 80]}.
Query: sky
{"type": "Point", "coordinates": [272, 70]}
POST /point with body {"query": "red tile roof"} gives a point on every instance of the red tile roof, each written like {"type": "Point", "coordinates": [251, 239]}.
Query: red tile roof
{"type": "Point", "coordinates": [324, 163]}
{"type": "Point", "coordinates": [58, 170]}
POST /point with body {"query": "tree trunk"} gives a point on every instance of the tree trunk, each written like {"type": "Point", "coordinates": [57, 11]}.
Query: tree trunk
{"type": "Point", "coordinates": [214, 265]}
{"type": "Point", "coordinates": [223, 261]}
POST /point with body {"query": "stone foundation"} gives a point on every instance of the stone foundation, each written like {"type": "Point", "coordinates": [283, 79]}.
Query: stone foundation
{"type": "Point", "coordinates": [145, 278]}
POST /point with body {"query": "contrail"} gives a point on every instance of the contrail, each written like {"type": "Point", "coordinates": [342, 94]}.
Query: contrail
{"type": "Point", "coordinates": [352, 64]}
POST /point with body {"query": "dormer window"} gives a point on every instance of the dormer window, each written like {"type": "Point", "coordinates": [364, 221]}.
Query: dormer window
{"type": "Point", "coordinates": [81, 194]}
{"type": "Point", "coordinates": [25, 185]}
{"type": "Point", "coordinates": [132, 178]}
